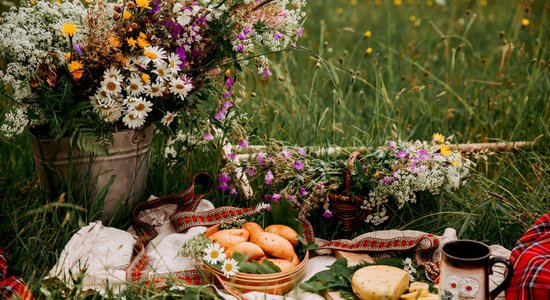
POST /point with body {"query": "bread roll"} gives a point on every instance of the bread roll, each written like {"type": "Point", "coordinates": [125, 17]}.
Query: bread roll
{"type": "Point", "coordinates": [230, 237]}
{"type": "Point", "coordinates": [252, 250]}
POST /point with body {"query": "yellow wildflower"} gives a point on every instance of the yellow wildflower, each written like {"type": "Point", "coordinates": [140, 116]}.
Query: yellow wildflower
{"type": "Point", "coordinates": [525, 22]}
{"type": "Point", "coordinates": [397, 3]}
{"type": "Point", "coordinates": [69, 29]}
{"type": "Point", "coordinates": [367, 34]}
{"type": "Point", "coordinates": [455, 163]}
{"type": "Point", "coordinates": [76, 68]}
{"type": "Point", "coordinates": [483, 3]}
{"type": "Point", "coordinates": [438, 138]}
{"type": "Point", "coordinates": [131, 42]}
{"type": "Point", "coordinates": [120, 58]}
{"type": "Point", "coordinates": [68, 56]}
{"type": "Point", "coordinates": [353, 2]}
{"type": "Point", "coordinates": [429, 3]}
{"type": "Point", "coordinates": [445, 150]}
{"type": "Point", "coordinates": [33, 2]}
{"type": "Point", "coordinates": [227, 72]}
{"type": "Point", "coordinates": [377, 174]}
{"type": "Point", "coordinates": [126, 15]}
{"type": "Point", "coordinates": [142, 40]}
{"type": "Point", "coordinates": [368, 51]}
{"type": "Point", "coordinates": [412, 18]}
{"type": "Point", "coordinates": [145, 78]}
{"type": "Point", "coordinates": [143, 3]}
{"type": "Point", "coordinates": [115, 43]}
{"type": "Point", "coordinates": [339, 10]}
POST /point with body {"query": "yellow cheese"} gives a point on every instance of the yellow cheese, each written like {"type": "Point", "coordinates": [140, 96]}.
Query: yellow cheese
{"type": "Point", "coordinates": [417, 285]}
{"type": "Point", "coordinates": [379, 283]}
{"type": "Point", "coordinates": [415, 294]}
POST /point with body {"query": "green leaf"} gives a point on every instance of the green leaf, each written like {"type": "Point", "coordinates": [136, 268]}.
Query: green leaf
{"type": "Point", "coordinates": [268, 267]}
{"type": "Point", "coordinates": [251, 268]}
{"type": "Point", "coordinates": [240, 258]}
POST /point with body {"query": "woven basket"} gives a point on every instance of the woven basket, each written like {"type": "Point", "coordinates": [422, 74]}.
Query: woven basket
{"type": "Point", "coordinates": [348, 208]}
{"type": "Point", "coordinates": [276, 283]}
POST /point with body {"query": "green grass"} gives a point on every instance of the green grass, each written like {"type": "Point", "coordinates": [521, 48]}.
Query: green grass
{"type": "Point", "coordinates": [463, 69]}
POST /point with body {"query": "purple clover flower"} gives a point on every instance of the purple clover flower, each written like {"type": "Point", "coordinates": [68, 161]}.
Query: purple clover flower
{"type": "Point", "coordinates": [327, 214]}
{"type": "Point", "coordinates": [301, 151]}
{"type": "Point", "coordinates": [250, 171]}
{"type": "Point", "coordinates": [402, 153]}
{"type": "Point", "coordinates": [266, 72]}
{"type": "Point", "coordinates": [386, 180]}
{"type": "Point", "coordinates": [298, 165]}
{"type": "Point", "coordinates": [276, 198]}
{"type": "Point", "coordinates": [232, 156]}
{"type": "Point", "coordinates": [303, 192]}
{"type": "Point", "coordinates": [285, 153]}
{"type": "Point", "coordinates": [239, 48]}
{"type": "Point", "coordinates": [220, 114]}
{"type": "Point", "coordinates": [229, 82]}
{"type": "Point", "coordinates": [233, 192]}
{"type": "Point", "coordinates": [208, 136]}
{"type": "Point", "coordinates": [392, 145]}
{"type": "Point", "coordinates": [243, 143]}
{"type": "Point", "coordinates": [300, 31]}
{"type": "Point", "coordinates": [269, 178]}
{"type": "Point", "coordinates": [277, 36]}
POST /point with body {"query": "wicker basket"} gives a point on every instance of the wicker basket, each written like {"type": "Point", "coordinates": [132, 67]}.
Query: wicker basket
{"type": "Point", "coordinates": [276, 283]}
{"type": "Point", "coordinates": [348, 208]}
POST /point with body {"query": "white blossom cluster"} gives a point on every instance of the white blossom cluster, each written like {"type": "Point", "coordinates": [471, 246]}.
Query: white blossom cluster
{"type": "Point", "coordinates": [415, 167]}
{"type": "Point", "coordinates": [32, 36]}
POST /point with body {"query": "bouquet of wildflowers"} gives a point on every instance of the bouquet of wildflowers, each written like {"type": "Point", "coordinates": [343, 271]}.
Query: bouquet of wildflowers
{"type": "Point", "coordinates": [392, 174]}
{"type": "Point", "coordinates": [73, 69]}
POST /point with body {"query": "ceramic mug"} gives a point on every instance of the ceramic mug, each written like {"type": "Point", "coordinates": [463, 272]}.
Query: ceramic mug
{"type": "Point", "coordinates": [465, 269]}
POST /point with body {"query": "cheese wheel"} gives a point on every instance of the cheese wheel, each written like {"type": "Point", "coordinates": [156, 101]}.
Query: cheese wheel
{"type": "Point", "coordinates": [379, 282]}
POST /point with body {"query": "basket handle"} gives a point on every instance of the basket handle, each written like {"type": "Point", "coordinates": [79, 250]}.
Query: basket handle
{"type": "Point", "coordinates": [350, 163]}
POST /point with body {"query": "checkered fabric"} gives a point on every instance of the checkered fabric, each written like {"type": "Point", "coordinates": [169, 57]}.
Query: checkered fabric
{"type": "Point", "coordinates": [531, 260]}
{"type": "Point", "coordinates": [12, 286]}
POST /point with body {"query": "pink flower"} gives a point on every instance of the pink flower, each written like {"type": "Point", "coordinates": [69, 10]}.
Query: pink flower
{"type": "Point", "coordinates": [285, 153]}
{"type": "Point", "coordinates": [301, 151]}
{"type": "Point", "coordinates": [277, 36]}
{"type": "Point", "coordinates": [386, 180]}
{"type": "Point", "coordinates": [327, 214]}
{"type": "Point", "coordinates": [208, 136]}
{"type": "Point", "coordinates": [266, 72]}
{"type": "Point", "coordinates": [300, 31]}
{"type": "Point", "coordinates": [402, 154]}
{"type": "Point", "coordinates": [303, 192]}
{"type": "Point", "coordinates": [392, 145]}
{"type": "Point", "coordinates": [229, 82]}
{"type": "Point", "coordinates": [298, 165]}
{"type": "Point", "coordinates": [250, 171]}
{"type": "Point", "coordinates": [243, 143]}
{"type": "Point", "coordinates": [269, 178]}
{"type": "Point", "coordinates": [276, 198]}
{"type": "Point", "coordinates": [233, 192]}
{"type": "Point", "coordinates": [232, 156]}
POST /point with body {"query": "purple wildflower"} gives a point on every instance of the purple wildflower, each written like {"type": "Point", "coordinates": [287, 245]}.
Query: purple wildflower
{"type": "Point", "coordinates": [276, 198]}
{"type": "Point", "coordinates": [247, 30]}
{"type": "Point", "coordinates": [155, 8]}
{"type": "Point", "coordinates": [386, 180]}
{"type": "Point", "coordinates": [392, 145]}
{"type": "Point", "coordinates": [277, 36]}
{"type": "Point", "coordinates": [269, 178]}
{"type": "Point", "coordinates": [396, 174]}
{"type": "Point", "coordinates": [223, 181]}
{"type": "Point", "coordinates": [301, 151]}
{"type": "Point", "coordinates": [303, 192]}
{"type": "Point", "coordinates": [402, 153]}
{"type": "Point", "coordinates": [232, 156]}
{"type": "Point", "coordinates": [78, 49]}
{"type": "Point", "coordinates": [250, 171]}
{"type": "Point", "coordinates": [300, 31]}
{"type": "Point", "coordinates": [233, 192]}
{"type": "Point", "coordinates": [327, 214]}
{"type": "Point", "coordinates": [268, 197]}
{"type": "Point", "coordinates": [298, 165]}
{"type": "Point", "coordinates": [261, 159]}
{"type": "Point", "coordinates": [208, 136]}
{"type": "Point", "coordinates": [285, 153]}
{"type": "Point", "coordinates": [220, 115]}
{"type": "Point", "coordinates": [227, 94]}
{"type": "Point", "coordinates": [291, 197]}
{"type": "Point", "coordinates": [266, 72]}
{"type": "Point", "coordinates": [229, 82]}
{"type": "Point", "coordinates": [227, 104]}
{"type": "Point", "coordinates": [423, 154]}
{"type": "Point", "coordinates": [239, 48]}
{"type": "Point", "coordinates": [243, 143]}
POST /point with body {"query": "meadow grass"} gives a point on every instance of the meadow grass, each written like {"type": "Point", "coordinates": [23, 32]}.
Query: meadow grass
{"type": "Point", "coordinates": [468, 69]}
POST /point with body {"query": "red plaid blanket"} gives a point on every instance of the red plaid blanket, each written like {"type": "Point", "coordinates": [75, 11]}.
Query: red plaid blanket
{"type": "Point", "coordinates": [11, 286]}
{"type": "Point", "coordinates": [531, 260]}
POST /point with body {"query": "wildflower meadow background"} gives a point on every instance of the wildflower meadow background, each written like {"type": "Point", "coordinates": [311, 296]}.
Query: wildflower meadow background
{"type": "Point", "coordinates": [364, 72]}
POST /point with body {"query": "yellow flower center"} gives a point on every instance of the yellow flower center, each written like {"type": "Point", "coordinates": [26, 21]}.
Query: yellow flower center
{"type": "Point", "coordinates": [131, 42]}
{"type": "Point", "coordinates": [154, 89]}
{"type": "Point", "coordinates": [134, 87]}
{"type": "Point", "coordinates": [179, 86]}
{"type": "Point", "coordinates": [214, 254]}
{"type": "Point", "coordinates": [151, 55]}
{"type": "Point", "coordinates": [367, 34]}
{"type": "Point", "coordinates": [145, 78]}
{"type": "Point", "coordinates": [160, 72]}
{"type": "Point", "coordinates": [228, 267]}
{"type": "Point", "coordinates": [140, 107]}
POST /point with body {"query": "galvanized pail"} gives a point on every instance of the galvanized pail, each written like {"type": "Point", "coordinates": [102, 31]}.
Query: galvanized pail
{"type": "Point", "coordinates": [57, 163]}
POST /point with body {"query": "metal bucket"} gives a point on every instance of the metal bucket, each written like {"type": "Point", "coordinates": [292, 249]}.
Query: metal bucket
{"type": "Point", "coordinates": [126, 165]}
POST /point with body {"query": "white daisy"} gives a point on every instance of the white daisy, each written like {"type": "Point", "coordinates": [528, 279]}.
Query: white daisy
{"type": "Point", "coordinates": [131, 102]}
{"type": "Point", "coordinates": [133, 121]}
{"type": "Point", "coordinates": [114, 73]}
{"type": "Point", "coordinates": [102, 95]}
{"type": "Point", "coordinates": [132, 64]}
{"type": "Point", "coordinates": [214, 253]}
{"type": "Point", "coordinates": [181, 87]}
{"type": "Point", "coordinates": [184, 18]}
{"type": "Point", "coordinates": [230, 267]}
{"type": "Point", "coordinates": [162, 71]}
{"type": "Point", "coordinates": [141, 108]}
{"type": "Point", "coordinates": [111, 85]}
{"type": "Point", "coordinates": [153, 53]}
{"type": "Point", "coordinates": [135, 86]}
{"type": "Point", "coordinates": [174, 63]}
{"type": "Point", "coordinates": [154, 90]}
{"type": "Point", "coordinates": [168, 118]}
